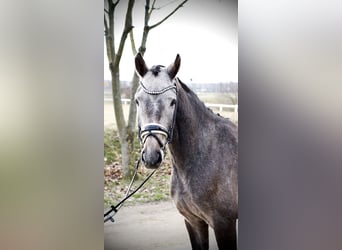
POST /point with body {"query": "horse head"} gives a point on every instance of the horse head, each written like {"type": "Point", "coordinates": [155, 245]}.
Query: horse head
{"type": "Point", "coordinates": [156, 100]}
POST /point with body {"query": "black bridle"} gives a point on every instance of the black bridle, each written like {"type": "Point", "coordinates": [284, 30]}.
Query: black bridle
{"type": "Point", "coordinates": [153, 129]}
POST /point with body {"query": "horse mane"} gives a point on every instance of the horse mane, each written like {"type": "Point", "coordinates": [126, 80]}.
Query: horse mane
{"type": "Point", "coordinates": [184, 86]}
{"type": "Point", "coordinates": [199, 103]}
{"type": "Point", "coordinates": [190, 102]}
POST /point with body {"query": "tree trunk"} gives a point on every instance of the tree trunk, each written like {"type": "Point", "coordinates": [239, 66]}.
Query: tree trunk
{"type": "Point", "coordinates": [126, 155]}
{"type": "Point", "coordinates": [114, 63]}
{"type": "Point", "coordinates": [126, 148]}
{"type": "Point", "coordinates": [133, 108]}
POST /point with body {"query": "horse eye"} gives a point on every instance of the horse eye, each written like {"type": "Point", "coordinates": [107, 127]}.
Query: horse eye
{"type": "Point", "coordinates": [173, 102]}
{"type": "Point", "coordinates": [136, 102]}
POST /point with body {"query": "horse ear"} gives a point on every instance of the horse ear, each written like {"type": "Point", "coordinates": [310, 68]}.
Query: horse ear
{"type": "Point", "coordinates": [172, 70]}
{"type": "Point", "coordinates": [140, 65]}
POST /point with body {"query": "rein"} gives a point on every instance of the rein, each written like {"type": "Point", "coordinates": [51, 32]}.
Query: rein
{"type": "Point", "coordinates": [116, 208]}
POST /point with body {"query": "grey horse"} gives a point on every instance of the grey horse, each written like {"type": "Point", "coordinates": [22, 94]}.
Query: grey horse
{"type": "Point", "coordinates": [203, 148]}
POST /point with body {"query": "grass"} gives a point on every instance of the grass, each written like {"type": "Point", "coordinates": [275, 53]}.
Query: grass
{"type": "Point", "coordinates": [218, 98]}
{"type": "Point", "coordinates": [111, 146]}
{"type": "Point", "coordinates": [157, 188]}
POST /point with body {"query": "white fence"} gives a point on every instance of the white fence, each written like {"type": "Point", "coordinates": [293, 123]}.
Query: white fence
{"type": "Point", "coordinates": [123, 100]}
{"type": "Point", "coordinates": [210, 105]}
{"type": "Point", "coordinates": [222, 106]}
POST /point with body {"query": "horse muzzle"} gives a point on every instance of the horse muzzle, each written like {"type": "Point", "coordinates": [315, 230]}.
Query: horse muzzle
{"type": "Point", "coordinates": [152, 158]}
{"type": "Point", "coordinates": [152, 136]}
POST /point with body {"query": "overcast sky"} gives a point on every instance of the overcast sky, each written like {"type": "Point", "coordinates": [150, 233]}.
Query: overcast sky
{"type": "Point", "coordinates": [203, 32]}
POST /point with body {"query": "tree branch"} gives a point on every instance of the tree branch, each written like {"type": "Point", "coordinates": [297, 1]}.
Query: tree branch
{"type": "Point", "coordinates": [128, 27]}
{"type": "Point", "coordinates": [152, 8]}
{"type": "Point", "coordinates": [146, 30]}
{"type": "Point", "coordinates": [147, 13]}
{"type": "Point", "coordinates": [134, 49]}
{"type": "Point", "coordinates": [109, 30]}
{"type": "Point", "coordinates": [163, 20]}
{"type": "Point", "coordinates": [171, 2]}
{"type": "Point", "coordinates": [116, 3]}
{"type": "Point", "coordinates": [105, 24]}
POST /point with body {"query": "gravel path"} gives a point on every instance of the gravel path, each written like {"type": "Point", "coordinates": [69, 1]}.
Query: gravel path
{"type": "Point", "coordinates": [149, 227]}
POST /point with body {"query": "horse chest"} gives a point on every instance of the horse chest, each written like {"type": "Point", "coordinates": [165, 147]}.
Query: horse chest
{"type": "Point", "coordinates": [189, 205]}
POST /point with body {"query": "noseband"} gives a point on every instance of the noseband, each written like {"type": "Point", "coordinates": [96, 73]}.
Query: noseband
{"type": "Point", "coordinates": [153, 129]}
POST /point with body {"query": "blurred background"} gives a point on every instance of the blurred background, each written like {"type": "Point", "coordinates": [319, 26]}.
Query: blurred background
{"type": "Point", "coordinates": [51, 131]}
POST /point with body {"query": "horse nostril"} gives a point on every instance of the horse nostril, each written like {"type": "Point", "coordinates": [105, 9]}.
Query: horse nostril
{"type": "Point", "coordinates": [152, 158]}
{"type": "Point", "coordinates": [143, 156]}
{"type": "Point", "coordinates": [160, 157]}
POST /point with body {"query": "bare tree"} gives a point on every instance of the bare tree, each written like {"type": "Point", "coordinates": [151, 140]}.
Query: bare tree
{"type": "Point", "coordinates": [126, 132]}
{"type": "Point", "coordinates": [114, 58]}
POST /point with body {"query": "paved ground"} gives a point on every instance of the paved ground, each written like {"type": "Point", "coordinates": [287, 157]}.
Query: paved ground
{"type": "Point", "coordinates": [149, 227]}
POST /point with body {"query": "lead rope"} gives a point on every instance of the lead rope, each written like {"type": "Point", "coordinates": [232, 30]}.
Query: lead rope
{"type": "Point", "coordinates": [116, 208]}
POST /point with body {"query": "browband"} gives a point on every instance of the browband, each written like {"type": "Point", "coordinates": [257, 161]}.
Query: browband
{"type": "Point", "coordinates": [154, 92]}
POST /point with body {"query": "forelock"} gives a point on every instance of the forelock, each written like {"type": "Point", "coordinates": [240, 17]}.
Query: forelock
{"type": "Point", "coordinates": [156, 69]}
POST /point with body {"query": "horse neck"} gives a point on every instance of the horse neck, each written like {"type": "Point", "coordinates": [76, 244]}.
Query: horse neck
{"type": "Point", "coordinates": [191, 119]}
